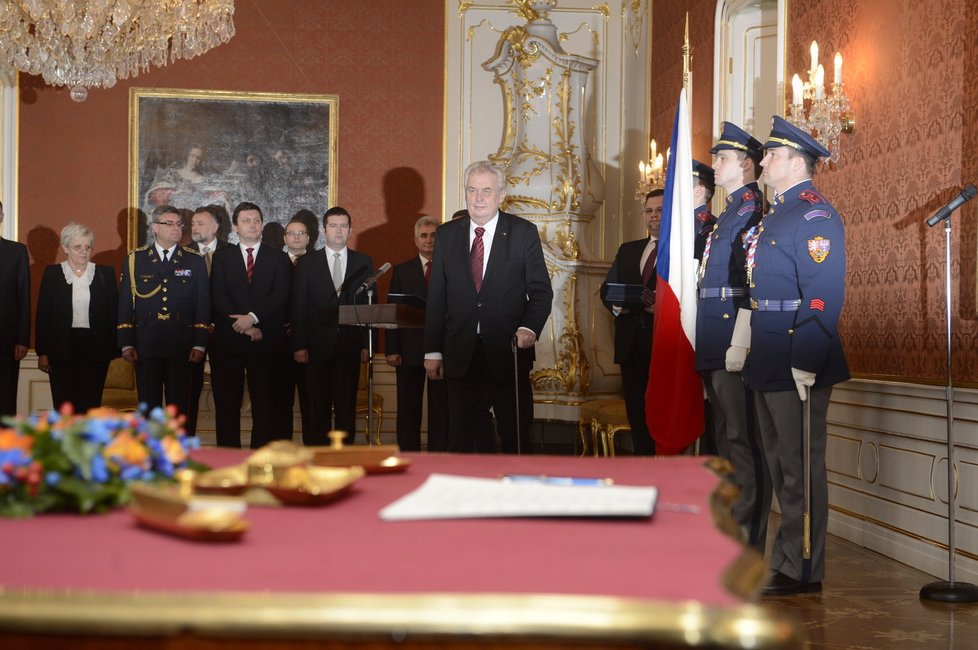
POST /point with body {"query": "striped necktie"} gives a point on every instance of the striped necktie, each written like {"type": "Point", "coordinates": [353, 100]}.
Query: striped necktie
{"type": "Point", "coordinates": [476, 257]}
{"type": "Point", "coordinates": [250, 264]}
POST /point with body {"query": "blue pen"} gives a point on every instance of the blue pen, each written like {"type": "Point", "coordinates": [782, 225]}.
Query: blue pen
{"type": "Point", "coordinates": [558, 480]}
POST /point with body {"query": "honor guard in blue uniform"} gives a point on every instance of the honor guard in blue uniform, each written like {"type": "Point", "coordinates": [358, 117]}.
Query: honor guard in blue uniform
{"type": "Point", "coordinates": [721, 348]}
{"type": "Point", "coordinates": [164, 313]}
{"type": "Point", "coordinates": [796, 267]}
{"type": "Point", "coordinates": [703, 188]}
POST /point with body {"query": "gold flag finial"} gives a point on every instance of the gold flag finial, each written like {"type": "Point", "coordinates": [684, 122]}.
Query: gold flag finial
{"type": "Point", "coordinates": [687, 63]}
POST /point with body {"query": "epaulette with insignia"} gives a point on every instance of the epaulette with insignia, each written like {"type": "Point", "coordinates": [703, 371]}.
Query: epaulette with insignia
{"type": "Point", "coordinates": [136, 250]}
{"type": "Point", "coordinates": [747, 196]}
{"type": "Point", "coordinates": [811, 196]}
{"type": "Point", "coordinates": [191, 250]}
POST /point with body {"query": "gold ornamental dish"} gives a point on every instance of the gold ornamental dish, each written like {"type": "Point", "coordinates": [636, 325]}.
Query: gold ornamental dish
{"type": "Point", "coordinates": [166, 508]}
{"type": "Point", "coordinates": [311, 486]}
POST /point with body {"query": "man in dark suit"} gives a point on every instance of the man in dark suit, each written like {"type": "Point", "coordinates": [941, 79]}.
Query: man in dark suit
{"type": "Point", "coordinates": [405, 352]}
{"type": "Point", "coordinates": [292, 375]}
{"type": "Point", "coordinates": [635, 264]}
{"type": "Point", "coordinates": [249, 291]}
{"type": "Point", "coordinates": [15, 324]}
{"type": "Point", "coordinates": [164, 313]}
{"type": "Point", "coordinates": [205, 224]}
{"type": "Point", "coordinates": [324, 280]}
{"type": "Point", "coordinates": [489, 290]}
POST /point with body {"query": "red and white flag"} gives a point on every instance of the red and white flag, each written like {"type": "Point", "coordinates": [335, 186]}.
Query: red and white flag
{"type": "Point", "coordinates": [674, 397]}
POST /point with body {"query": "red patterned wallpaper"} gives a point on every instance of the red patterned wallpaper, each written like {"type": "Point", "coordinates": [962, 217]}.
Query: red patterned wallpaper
{"type": "Point", "coordinates": [906, 68]}
{"type": "Point", "coordinates": [385, 63]}
{"type": "Point", "coordinates": [668, 22]}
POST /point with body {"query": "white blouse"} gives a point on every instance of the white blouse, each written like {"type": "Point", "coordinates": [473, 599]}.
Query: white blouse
{"type": "Point", "coordinates": [81, 295]}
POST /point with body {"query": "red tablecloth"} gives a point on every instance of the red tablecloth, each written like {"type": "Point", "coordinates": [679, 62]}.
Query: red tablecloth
{"type": "Point", "coordinates": [344, 547]}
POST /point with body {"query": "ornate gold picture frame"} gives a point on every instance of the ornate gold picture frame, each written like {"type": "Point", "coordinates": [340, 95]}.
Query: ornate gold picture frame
{"type": "Point", "coordinates": [189, 148]}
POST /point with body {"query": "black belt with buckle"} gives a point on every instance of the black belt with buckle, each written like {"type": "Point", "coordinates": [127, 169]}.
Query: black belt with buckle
{"type": "Point", "coordinates": [721, 292]}
{"type": "Point", "coordinates": [775, 305]}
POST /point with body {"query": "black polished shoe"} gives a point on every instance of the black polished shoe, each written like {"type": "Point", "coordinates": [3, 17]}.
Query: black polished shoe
{"type": "Point", "coordinates": [782, 585]}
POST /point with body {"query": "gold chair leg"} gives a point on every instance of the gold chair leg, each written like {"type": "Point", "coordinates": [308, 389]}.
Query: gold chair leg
{"type": "Point", "coordinates": [379, 415]}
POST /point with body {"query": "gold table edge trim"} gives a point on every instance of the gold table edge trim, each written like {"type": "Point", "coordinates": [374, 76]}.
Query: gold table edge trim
{"type": "Point", "coordinates": [366, 615]}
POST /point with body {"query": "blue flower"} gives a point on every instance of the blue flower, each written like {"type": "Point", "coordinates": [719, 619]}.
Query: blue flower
{"type": "Point", "coordinates": [52, 478]}
{"type": "Point", "coordinates": [100, 471]}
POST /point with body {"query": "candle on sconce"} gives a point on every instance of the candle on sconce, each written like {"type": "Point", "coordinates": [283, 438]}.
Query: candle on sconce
{"type": "Point", "coordinates": [819, 82]}
{"type": "Point", "coordinates": [658, 162]}
{"type": "Point", "coordinates": [838, 68]}
{"type": "Point", "coordinates": [642, 173]}
{"type": "Point", "coordinates": [814, 57]}
{"type": "Point", "coordinates": [652, 149]}
{"type": "Point", "coordinates": [797, 91]}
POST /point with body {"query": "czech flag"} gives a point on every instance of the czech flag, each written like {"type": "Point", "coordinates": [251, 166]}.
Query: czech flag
{"type": "Point", "coordinates": [674, 397]}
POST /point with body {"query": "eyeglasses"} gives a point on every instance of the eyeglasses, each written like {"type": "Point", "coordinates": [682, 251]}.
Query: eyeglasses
{"type": "Point", "coordinates": [178, 224]}
{"type": "Point", "coordinates": [297, 233]}
{"type": "Point", "coordinates": [79, 248]}
{"type": "Point", "coordinates": [652, 211]}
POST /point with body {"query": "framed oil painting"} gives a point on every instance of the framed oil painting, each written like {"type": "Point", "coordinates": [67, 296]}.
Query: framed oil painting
{"type": "Point", "coordinates": [189, 148]}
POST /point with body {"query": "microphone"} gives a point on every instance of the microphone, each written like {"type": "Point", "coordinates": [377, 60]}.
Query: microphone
{"type": "Point", "coordinates": [966, 195]}
{"type": "Point", "coordinates": [372, 280]}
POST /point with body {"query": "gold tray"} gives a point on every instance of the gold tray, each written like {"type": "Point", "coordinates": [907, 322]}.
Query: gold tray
{"type": "Point", "coordinates": [165, 508]}
{"type": "Point", "coordinates": [201, 525]}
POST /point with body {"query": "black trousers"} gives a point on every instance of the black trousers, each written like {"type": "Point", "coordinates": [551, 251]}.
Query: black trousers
{"type": "Point", "coordinates": [635, 379]}
{"type": "Point", "coordinates": [9, 374]}
{"type": "Point", "coordinates": [292, 380]}
{"type": "Point", "coordinates": [410, 392]}
{"type": "Point", "coordinates": [80, 379]}
{"type": "Point", "coordinates": [333, 388]}
{"type": "Point", "coordinates": [193, 404]}
{"type": "Point", "coordinates": [228, 375]}
{"type": "Point", "coordinates": [159, 378]}
{"type": "Point", "coordinates": [471, 396]}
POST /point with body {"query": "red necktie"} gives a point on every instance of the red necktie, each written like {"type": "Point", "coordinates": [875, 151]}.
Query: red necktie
{"type": "Point", "coordinates": [250, 264]}
{"type": "Point", "coordinates": [475, 259]}
{"type": "Point", "coordinates": [649, 264]}
{"type": "Point", "coordinates": [427, 272]}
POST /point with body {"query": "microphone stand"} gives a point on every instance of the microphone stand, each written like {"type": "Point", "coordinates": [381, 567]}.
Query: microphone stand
{"type": "Point", "coordinates": [370, 377]}
{"type": "Point", "coordinates": [949, 591]}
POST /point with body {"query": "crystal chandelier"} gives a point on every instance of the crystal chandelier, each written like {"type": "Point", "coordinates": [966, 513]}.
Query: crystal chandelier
{"type": "Point", "coordinates": [828, 116]}
{"type": "Point", "coordinates": [93, 43]}
{"type": "Point", "coordinates": [651, 174]}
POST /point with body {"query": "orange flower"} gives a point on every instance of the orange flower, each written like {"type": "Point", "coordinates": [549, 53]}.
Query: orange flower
{"type": "Point", "coordinates": [126, 448]}
{"type": "Point", "coordinates": [10, 439]}
{"type": "Point", "coordinates": [174, 451]}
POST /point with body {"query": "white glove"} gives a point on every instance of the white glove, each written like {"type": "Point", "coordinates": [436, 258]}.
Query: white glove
{"type": "Point", "coordinates": [736, 356]}
{"type": "Point", "coordinates": [739, 342]}
{"type": "Point", "coordinates": [803, 379]}
{"type": "Point", "coordinates": [741, 333]}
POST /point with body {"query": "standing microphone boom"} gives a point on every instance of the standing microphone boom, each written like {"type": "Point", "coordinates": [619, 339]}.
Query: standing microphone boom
{"type": "Point", "coordinates": [966, 195]}
{"type": "Point", "coordinates": [369, 282]}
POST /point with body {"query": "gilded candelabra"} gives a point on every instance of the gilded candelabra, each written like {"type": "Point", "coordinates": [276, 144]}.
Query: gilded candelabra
{"type": "Point", "coordinates": [828, 115]}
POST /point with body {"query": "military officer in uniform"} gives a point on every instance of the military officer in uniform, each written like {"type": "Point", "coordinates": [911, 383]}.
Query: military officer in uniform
{"type": "Point", "coordinates": [703, 188]}
{"type": "Point", "coordinates": [164, 313]}
{"type": "Point", "coordinates": [796, 267]}
{"type": "Point", "coordinates": [720, 354]}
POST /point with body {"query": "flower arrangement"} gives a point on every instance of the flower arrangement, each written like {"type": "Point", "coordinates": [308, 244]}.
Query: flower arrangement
{"type": "Point", "coordinates": [63, 462]}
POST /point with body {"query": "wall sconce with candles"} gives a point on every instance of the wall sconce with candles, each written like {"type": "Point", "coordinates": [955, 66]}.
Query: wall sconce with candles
{"type": "Point", "coordinates": [828, 115]}
{"type": "Point", "coordinates": [652, 174]}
